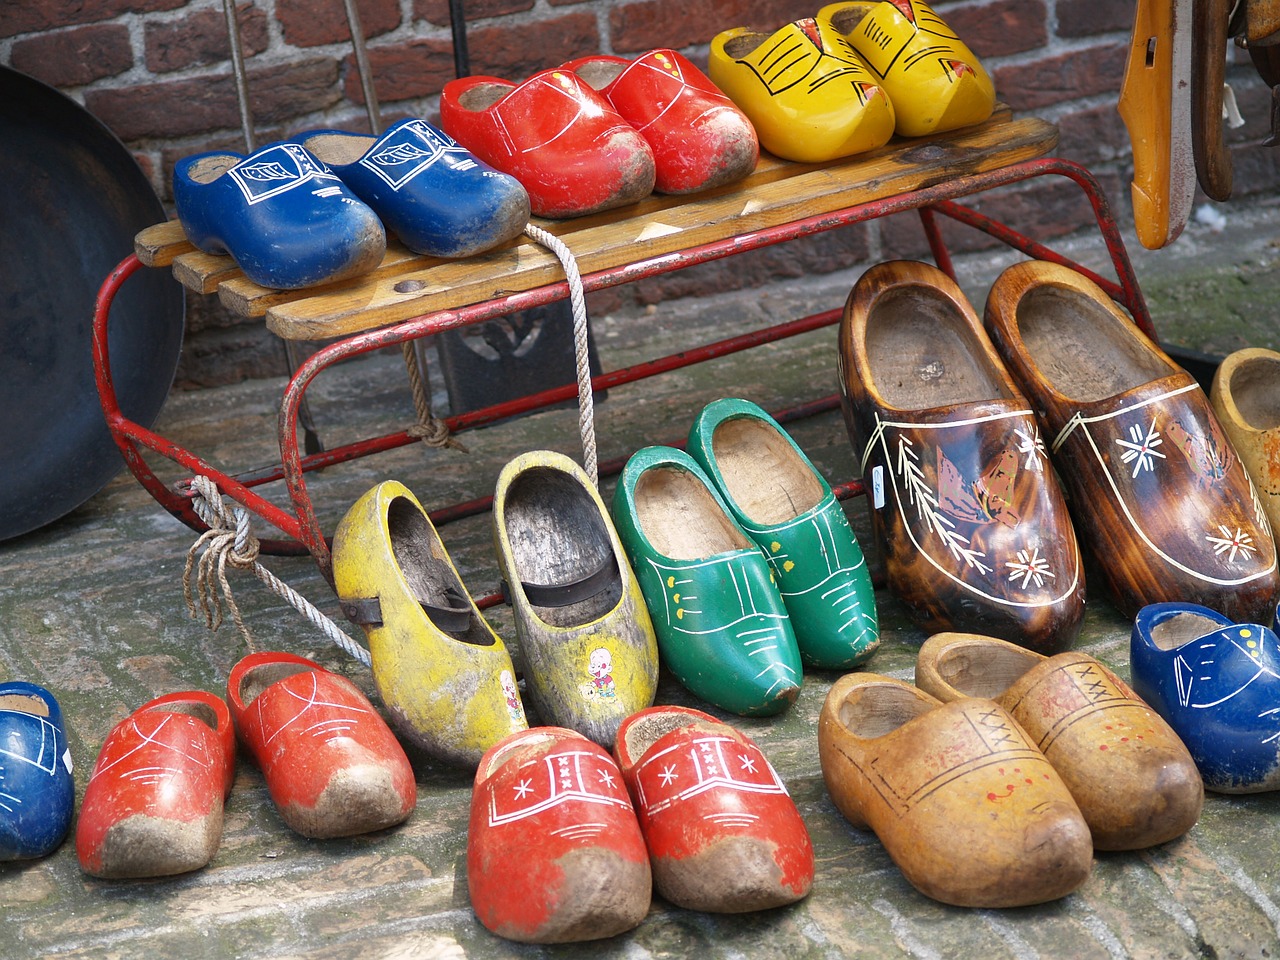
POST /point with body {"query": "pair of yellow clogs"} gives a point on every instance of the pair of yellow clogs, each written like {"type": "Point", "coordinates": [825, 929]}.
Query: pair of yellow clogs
{"type": "Point", "coordinates": [845, 81]}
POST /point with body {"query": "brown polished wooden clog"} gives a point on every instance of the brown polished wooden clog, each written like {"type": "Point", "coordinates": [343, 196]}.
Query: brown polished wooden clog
{"type": "Point", "coordinates": [1155, 487]}
{"type": "Point", "coordinates": [1246, 397]}
{"type": "Point", "coordinates": [970, 811]}
{"type": "Point", "coordinates": [966, 511]}
{"type": "Point", "coordinates": [1133, 779]}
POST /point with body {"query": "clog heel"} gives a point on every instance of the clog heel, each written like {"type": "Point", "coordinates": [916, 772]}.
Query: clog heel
{"type": "Point", "coordinates": [934, 81]}
{"type": "Point", "coordinates": [153, 806]}
{"type": "Point", "coordinates": [586, 637]}
{"type": "Point", "coordinates": [966, 806]}
{"type": "Point", "coordinates": [445, 677]}
{"type": "Point", "coordinates": [37, 789]}
{"type": "Point", "coordinates": [282, 215]}
{"type": "Point", "coordinates": [1133, 779]}
{"type": "Point", "coordinates": [783, 504]}
{"type": "Point", "coordinates": [722, 625]}
{"type": "Point", "coordinates": [331, 763]}
{"type": "Point", "coordinates": [810, 97]}
{"type": "Point", "coordinates": [428, 189]}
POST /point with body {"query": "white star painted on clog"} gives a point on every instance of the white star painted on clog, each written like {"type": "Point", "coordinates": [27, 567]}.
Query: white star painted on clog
{"type": "Point", "coordinates": [523, 789]}
{"type": "Point", "coordinates": [1029, 566]}
{"type": "Point", "coordinates": [1239, 542]}
{"type": "Point", "coordinates": [669, 775]}
{"type": "Point", "coordinates": [1140, 450]}
{"type": "Point", "coordinates": [748, 763]}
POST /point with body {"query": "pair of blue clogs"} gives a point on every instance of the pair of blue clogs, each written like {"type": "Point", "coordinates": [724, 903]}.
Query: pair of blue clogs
{"type": "Point", "coordinates": [37, 791]}
{"type": "Point", "coordinates": [1217, 683]}
{"type": "Point", "coordinates": [312, 210]}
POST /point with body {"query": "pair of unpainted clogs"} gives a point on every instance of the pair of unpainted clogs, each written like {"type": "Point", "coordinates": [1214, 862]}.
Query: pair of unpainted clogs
{"type": "Point", "coordinates": [960, 430]}
{"type": "Point", "coordinates": [845, 81]}
{"type": "Point", "coordinates": [746, 561]}
{"type": "Point", "coordinates": [567, 843]}
{"type": "Point", "coordinates": [154, 802]}
{"type": "Point", "coordinates": [991, 782]}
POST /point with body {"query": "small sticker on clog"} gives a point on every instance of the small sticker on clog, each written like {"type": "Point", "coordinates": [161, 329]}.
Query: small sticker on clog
{"type": "Point", "coordinates": [877, 487]}
{"type": "Point", "coordinates": [66, 760]}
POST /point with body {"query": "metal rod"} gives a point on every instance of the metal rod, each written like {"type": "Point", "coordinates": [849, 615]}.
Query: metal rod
{"type": "Point", "coordinates": [458, 24]}
{"type": "Point", "coordinates": [237, 68]}
{"type": "Point", "coordinates": [362, 67]}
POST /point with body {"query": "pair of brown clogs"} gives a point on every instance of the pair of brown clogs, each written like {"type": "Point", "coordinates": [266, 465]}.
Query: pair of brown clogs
{"type": "Point", "coordinates": [960, 430]}
{"type": "Point", "coordinates": [992, 781]}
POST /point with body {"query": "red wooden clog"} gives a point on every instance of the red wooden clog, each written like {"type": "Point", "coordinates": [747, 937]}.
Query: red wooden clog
{"type": "Point", "coordinates": [557, 136]}
{"type": "Point", "coordinates": [700, 138]}
{"type": "Point", "coordinates": [332, 765]}
{"type": "Point", "coordinates": [554, 852]}
{"type": "Point", "coordinates": [722, 831]}
{"type": "Point", "coordinates": [153, 804]}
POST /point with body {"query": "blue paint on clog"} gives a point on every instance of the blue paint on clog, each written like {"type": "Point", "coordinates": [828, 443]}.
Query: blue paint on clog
{"type": "Point", "coordinates": [37, 790]}
{"type": "Point", "coordinates": [1217, 683]}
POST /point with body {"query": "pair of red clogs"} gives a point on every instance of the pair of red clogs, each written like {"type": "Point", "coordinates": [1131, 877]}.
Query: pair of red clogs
{"type": "Point", "coordinates": [567, 842]}
{"type": "Point", "coordinates": [601, 131]}
{"type": "Point", "coordinates": [154, 803]}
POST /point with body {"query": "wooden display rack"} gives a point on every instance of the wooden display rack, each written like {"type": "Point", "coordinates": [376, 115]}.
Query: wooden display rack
{"type": "Point", "coordinates": [410, 296]}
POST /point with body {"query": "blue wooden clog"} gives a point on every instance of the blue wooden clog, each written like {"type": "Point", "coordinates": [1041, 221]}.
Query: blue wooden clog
{"type": "Point", "coordinates": [284, 216]}
{"type": "Point", "coordinates": [37, 791]}
{"type": "Point", "coordinates": [721, 623]}
{"type": "Point", "coordinates": [431, 191]}
{"type": "Point", "coordinates": [1217, 683]}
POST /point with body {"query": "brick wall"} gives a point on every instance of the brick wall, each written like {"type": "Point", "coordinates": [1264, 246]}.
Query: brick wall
{"type": "Point", "coordinates": [158, 73]}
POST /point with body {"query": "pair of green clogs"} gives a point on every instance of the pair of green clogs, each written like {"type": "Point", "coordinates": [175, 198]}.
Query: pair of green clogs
{"type": "Point", "coordinates": [746, 561]}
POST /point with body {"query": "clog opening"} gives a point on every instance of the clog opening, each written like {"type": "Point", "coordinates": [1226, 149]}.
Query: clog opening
{"type": "Point", "coordinates": [339, 148]}
{"type": "Point", "coordinates": [1084, 350]}
{"type": "Point", "coordinates": [1180, 629]}
{"type": "Point", "coordinates": [744, 44]}
{"type": "Point", "coordinates": [983, 670]}
{"type": "Point", "coordinates": [524, 740]}
{"type": "Point", "coordinates": [190, 708]}
{"type": "Point", "coordinates": [482, 96]}
{"type": "Point", "coordinates": [557, 536]}
{"type": "Point", "coordinates": [257, 679]}
{"type": "Point", "coordinates": [681, 519]}
{"type": "Point", "coordinates": [598, 74]}
{"type": "Point", "coordinates": [24, 703]}
{"type": "Point", "coordinates": [1255, 388]}
{"type": "Point", "coordinates": [765, 476]}
{"type": "Point", "coordinates": [875, 709]}
{"type": "Point", "coordinates": [210, 169]}
{"type": "Point", "coordinates": [923, 353]}
{"type": "Point", "coordinates": [847, 18]}
{"type": "Point", "coordinates": [645, 731]}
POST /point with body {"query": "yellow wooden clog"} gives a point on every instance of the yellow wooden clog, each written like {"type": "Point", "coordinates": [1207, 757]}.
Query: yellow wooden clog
{"type": "Point", "coordinates": [809, 96]}
{"type": "Point", "coordinates": [935, 81]}
{"type": "Point", "coordinates": [444, 675]}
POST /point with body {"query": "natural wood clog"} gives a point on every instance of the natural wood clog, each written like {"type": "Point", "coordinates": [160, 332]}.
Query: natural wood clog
{"type": "Point", "coordinates": [445, 677]}
{"type": "Point", "coordinates": [153, 806]}
{"type": "Point", "coordinates": [554, 851]}
{"type": "Point", "coordinates": [591, 657]}
{"type": "Point", "coordinates": [331, 763]}
{"type": "Point", "coordinates": [722, 625]}
{"type": "Point", "coordinates": [1217, 683]}
{"type": "Point", "coordinates": [1133, 779]}
{"type": "Point", "coordinates": [1156, 489]}
{"type": "Point", "coordinates": [964, 505]}
{"type": "Point", "coordinates": [37, 789]}
{"type": "Point", "coordinates": [970, 811]}
{"type": "Point", "coordinates": [1246, 397]}
{"type": "Point", "coordinates": [723, 834]}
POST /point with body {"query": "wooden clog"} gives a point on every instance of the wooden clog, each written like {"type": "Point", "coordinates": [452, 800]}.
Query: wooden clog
{"type": "Point", "coordinates": [722, 625]}
{"type": "Point", "coordinates": [444, 675]}
{"type": "Point", "coordinates": [331, 763]}
{"type": "Point", "coordinates": [970, 811]}
{"type": "Point", "coordinates": [723, 834]}
{"type": "Point", "coordinates": [700, 139]}
{"type": "Point", "coordinates": [554, 851]}
{"type": "Point", "coordinates": [1133, 779]}
{"type": "Point", "coordinates": [1246, 398]}
{"type": "Point", "coordinates": [964, 505]}
{"type": "Point", "coordinates": [37, 789]}
{"type": "Point", "coordinates": [589, 648]}
{"type": "Point", "coordinates": [781, 502]}
{"type": "Point", "coordinates": [933, 79]}
{"type": "Point", "coordinates": [810, 97]}
{"type": "Point", "coordinates": [1208, 77]}
{"type": "Point", "coordinates": [1217, 683]}
{"type": "Point", "coordinates": [153, 806]}
{"type": "Point", "coordinates": [1155, 487]}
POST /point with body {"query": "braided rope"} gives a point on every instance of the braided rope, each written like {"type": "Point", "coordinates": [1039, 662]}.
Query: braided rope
{"type": "Point", "coordinates": [586, 401]}
{"type": "Point", "coordinates": [229, 542]}
{"type": "Point", "coordinates": [428, 429]}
